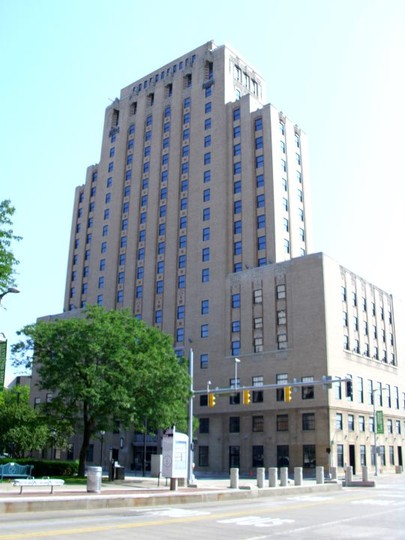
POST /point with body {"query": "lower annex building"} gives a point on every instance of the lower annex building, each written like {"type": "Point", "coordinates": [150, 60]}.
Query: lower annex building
{"type": "Point", "coordinates": [198, 218]}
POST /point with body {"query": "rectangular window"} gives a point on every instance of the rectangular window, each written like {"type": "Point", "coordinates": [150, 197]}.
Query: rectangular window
{"type": "Point", "coordinates": [203, 456]}
{"type": "Point", "coordinates": [234, 424]}
{"type": "Point", "coordinates": [308, 421]}
{"type": "Point", "coordinates": [257, 424]}
{"type": "Point", "coordinates": [339, 421]}
{"type": "Point", "coordinates": [204, 361]}
{"type": "Point", "coordinates": [282, 422]}
{"type": "Point", "coordinates": [236, 300]}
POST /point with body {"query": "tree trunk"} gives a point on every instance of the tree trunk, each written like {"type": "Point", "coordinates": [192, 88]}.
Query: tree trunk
{"type": "Point", "coordinates": [87, 432]}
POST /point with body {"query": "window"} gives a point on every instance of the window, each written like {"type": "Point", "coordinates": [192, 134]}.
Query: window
{"type": "Point", "coordinates": [261, 243]}
{"type": "Point", "coordinates": [206, 214]}
{"type": "Point", "coordinates": [204, 307]}
{"type": "Point", "coordinates": [207, 123]}
{"type": "Point", "coordinates": [236, 149]}
{"type": "Point", "coordinates": [234, 424]}
{"type": "Point", "coordinates": [203, 456]}
{"type": "Point", "coordinates": [206, 195]}
{"type": "Point", "coordinates": [235, 300]}
{"type": "Point", "coordinates": [237, 167]}
{"type": "Point", "coordinates": [206, 233]}
{"type": "Point", "coordinates": [260, 180]}
{"type": "Point", "coordinates": [204, 361]}
{"type": "Point", "coordinates": [350, 422]}
{"type": "Point", "coordinates": [182, 261]}
{"type": "Point", "coordinates": [208, 107]}
{"type": "Point", "coordinates": [183, 241]}
{"type": "Point", "coordinates": [235, 326]}
{"type": "Point", "coordinates": [204, 330]}
{"type": "Point", "coordinates": [307, 392]}
{"type": "Point", "coordinates": [339, 421]}
{"type": "Point", "coordinates": [260, 201]}
{"type": "Point", "coordinates": [205, 254]}
{"type": "Point", "coordinates": [280, 292]}
{"type": "Point", "coordinates": [235, 347]}
{"type": "Point", "coordinates": [258, 296]}
{"type": "Point", "coordinates": [258, 124]}
{"type": "Point", "coordinates": [236, 132]}
{"type": "Point", "coordinates": [257, 424]}
{"type": "Point", "coordinates": [282, 422]}
{"type": "Point", "coordinates": [180, 312]}
{"type": "Point", "coordinates": [207, 177]}
{"type": "Point", "coordinates": [308, 421]}
{"type": "Point", "coordinates": [308, 456]}
{"type": "Point", "coordinates": [237, 248]}
{"type": "Point", "coordinates": [257, 395]}
{"type": "Point", "coordinates": [259, 161]}
{"type": "Point", "coordinates": [237, 187]}
{"type": "Point", "coordinates": [181, 282]}
{"type": "Point", "coordinates": [237, 207]}
{"type": "Point", "coordinates": [205, 275]}
{"type": "Point", "coordinates": [180, 335]}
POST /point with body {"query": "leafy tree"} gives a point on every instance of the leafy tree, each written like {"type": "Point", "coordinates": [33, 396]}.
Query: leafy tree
{"type": "Point", "coordinates": [21, 427]}
{"type": "Point", "coordinates": [105, 367]}
{"type": "Point", "coordinates": [7, 258]}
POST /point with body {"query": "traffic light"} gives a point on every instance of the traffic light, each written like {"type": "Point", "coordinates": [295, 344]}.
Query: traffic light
{"type": "Point", "coordinates": [246, 399]}
{"type": "Point", "coordinates": [211, 399]}
{"type": "Point", "coordinates": [287, 394]}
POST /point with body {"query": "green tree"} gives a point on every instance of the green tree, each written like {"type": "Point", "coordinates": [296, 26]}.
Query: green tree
{"type": "Point", "coordinates": [8, 262]}
{"type": "Point", "coordinates": [22, 429]}
{"type": "Point", "coordinates": [106, 367]}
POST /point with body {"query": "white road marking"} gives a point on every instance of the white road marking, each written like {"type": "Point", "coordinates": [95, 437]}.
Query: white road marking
{"type": "Point", "coordinates": [256, 521]}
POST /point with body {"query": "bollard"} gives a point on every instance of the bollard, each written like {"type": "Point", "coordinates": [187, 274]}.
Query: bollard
{"type": "Point", "coordinates": [283, 476]}
{"type": "Point", "coordinates": [260, 477]}
{"type": "Point", "coordinates": [173, 484]}
{"type": "Point", "coordinates": [94, 479]}
{"type": "Point", "coordinates": [320, 475]}
{"type": "Point", "coordinates": [364, 472]}
{"type": "Point", "coordinates": [297, 476]}
{"type": "Point", "coordinates": [333, 473]}
{"type": "Point", "coordinates": [234, 478]}
{"type": "Point", "coordinates": [272, 476]}
{"type": "Point", "coordinates": [348, 475]}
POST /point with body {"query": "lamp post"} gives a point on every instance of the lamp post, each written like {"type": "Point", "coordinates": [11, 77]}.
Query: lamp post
{"type": "Point", "coordinates": [102, 433]}
{"type": "Point", "coordinates": [237, 361]}
{"type": "Point", "coordinates": [190, 472]}
{"type": "Point", "coordinates": [9, 290]}
{"type": "Point", "coordinates": [375, 428]}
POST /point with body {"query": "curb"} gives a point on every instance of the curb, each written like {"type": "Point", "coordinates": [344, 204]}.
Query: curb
{"type": "Point", "coordinates": [130, 499]}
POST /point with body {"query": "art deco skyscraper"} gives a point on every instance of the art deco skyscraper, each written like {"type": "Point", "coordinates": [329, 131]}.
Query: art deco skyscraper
{"type": "Point", "coordinates": [198, 178]}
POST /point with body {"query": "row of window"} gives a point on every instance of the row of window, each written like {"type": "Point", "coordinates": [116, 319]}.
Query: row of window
{"type": "Point", "coordinates": [371, 392]}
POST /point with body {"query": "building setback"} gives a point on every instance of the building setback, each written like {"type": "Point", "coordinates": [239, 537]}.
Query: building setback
{"type": "Point", "coordinates": [198, 219]}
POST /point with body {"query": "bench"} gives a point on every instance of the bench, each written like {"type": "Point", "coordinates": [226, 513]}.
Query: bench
{"type": "Point", "coordinates": [37, 482]}
{"type": "Point", "coordinates": [15, 470]}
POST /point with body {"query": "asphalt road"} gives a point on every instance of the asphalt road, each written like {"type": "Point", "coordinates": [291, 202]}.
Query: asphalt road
{"type": "Point", "coordinates": [346, 514]}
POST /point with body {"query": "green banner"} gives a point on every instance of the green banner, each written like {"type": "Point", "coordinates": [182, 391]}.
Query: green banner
{"type": "Point", "coordinates": [3, 356]}
{"type": "Point", "coordinates": [379, 416]}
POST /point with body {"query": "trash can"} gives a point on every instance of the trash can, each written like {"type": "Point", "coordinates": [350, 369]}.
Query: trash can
{"type": "Point", "coordinates": [119, 472]}
{"type": "Point", "coordinates": [94, 479]}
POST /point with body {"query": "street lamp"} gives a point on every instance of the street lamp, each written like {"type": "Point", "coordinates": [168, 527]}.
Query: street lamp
{"type": "Point", "coordinates": [237, 361]}
{"type": "Point", "coordinates": [375, 427]}
{"type": "Point", "coordinates": [9, 290]}
{"type": "Point", "coordinates": [102, 433]}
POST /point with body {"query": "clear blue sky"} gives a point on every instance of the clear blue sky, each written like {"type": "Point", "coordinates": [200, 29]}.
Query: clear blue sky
{"type": "Point", "coordinates": [336, 68]}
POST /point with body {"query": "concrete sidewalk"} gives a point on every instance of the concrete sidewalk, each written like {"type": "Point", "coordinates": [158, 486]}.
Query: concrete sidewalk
{"type": "Point", "coordinates": [142, 491]}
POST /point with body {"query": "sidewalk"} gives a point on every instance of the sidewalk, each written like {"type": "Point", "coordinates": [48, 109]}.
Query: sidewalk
{"type": "Point", "coordinates": [142, 491]}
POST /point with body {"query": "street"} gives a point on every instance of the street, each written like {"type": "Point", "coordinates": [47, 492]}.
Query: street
{"type": "Point", "coordinates": [350, 513]}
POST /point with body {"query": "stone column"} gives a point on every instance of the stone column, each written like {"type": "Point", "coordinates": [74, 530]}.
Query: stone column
{"type": "Point", "coordinates": [320, 475]}
{"type": "Point", "coordinates": [235, 478]}
{"type": "Point", "coordinates": [297, 476]}
{"type": "Point", "coordinates": [273, 476]}
{"type": "Point", "coordinates": [283, 476]}
{"type": "Point", "coordinates": [260, 477]}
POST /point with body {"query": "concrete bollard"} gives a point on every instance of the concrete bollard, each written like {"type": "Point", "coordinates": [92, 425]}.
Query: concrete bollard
{"type": "Point", "coordinates": [235, 478]}
{"type": "Point", "coordinates": [320, 477]}
{"type": "Point", "coordinates": [364, 473]}
{"type": "Point", "coordinates": [260, 477]}
{"type": "Point", "coordinates": [333, 473]}
{"type": "Point", "coordinates": [283, 476]}
{"type": "Point", "coordinates": [297, 476]}
{"type": "Point", "coordinates": [272, 476]}
{"type": "Point", "coordinates": [348, 475]}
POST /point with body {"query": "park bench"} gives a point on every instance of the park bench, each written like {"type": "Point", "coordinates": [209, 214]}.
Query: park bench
{"type": "Point", "coordinates": [15, 470]}
{"type": "Point", "coordinates": [37, 482]}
